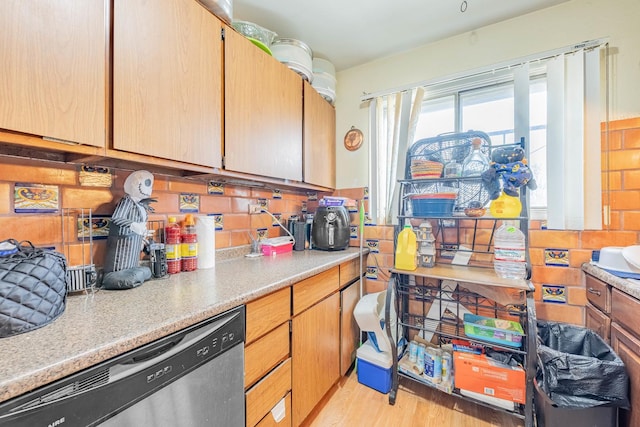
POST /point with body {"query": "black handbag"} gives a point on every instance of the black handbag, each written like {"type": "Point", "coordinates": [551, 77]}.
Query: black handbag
{"type": "Point", "coordinates": [33, 288]}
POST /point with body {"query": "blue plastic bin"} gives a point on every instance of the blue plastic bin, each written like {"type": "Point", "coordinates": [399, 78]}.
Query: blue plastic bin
{"type": "Point", "coordinates": [432, 206]}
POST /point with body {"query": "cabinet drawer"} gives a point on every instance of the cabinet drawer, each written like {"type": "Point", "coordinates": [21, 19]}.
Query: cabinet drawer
{"type": "Point", "coordinates": [598, 293]}
{"type": "Point", "coordinates": [598, 322]}
{"type": "Point", "coordinates": [311, 290]}
{"type": "Point", "coordinates": [266, 313]}
{"type": "Point", "coordinates": [349, 272]}
{"type": "Point", "coordinates": [269, 420]}
{"type": "Point", "coordinates": [624, 310]}
{"type": "Point", "coordinates": [263, 396]}
{"type": "Point", "coordinates": [265, 353]}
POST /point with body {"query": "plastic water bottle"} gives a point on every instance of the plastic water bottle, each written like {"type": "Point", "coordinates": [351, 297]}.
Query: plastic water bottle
{"type": "Point", "coordinates": [406, 249]}
{"type": "Point", "coordinates": [476, 162]}
{"type": "Point", "coordinates": [509, 252]}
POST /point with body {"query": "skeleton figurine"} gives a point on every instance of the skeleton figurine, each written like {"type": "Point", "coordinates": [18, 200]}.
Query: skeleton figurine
{"type": "Point", "coordinates": [127, 232]}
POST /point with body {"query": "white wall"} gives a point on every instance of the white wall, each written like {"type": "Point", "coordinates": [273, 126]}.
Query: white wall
{"type": "Point", "coordinates": [555, 27]}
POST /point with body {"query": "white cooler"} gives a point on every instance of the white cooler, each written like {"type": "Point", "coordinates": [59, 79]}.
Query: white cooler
{"type": "Point", "coordinates": [374, 364]}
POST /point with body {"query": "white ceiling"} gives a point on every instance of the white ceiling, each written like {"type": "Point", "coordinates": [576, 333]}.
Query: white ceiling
{"type": "Point", "coordinates": [353, 32]}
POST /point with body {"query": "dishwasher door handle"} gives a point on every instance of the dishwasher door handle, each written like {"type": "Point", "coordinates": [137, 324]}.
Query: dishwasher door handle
{"type": "Point", "coordinates": [157, 354]}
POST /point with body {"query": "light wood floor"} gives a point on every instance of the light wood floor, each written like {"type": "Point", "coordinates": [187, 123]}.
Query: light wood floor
{"type": "Point", "coordinates": [353, 404]}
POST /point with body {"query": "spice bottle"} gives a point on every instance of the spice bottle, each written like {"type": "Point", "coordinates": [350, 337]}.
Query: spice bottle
{"type": "Point", "coordinates": [172, 245]}
{"type": "Point", "coordinates": [189, 246]}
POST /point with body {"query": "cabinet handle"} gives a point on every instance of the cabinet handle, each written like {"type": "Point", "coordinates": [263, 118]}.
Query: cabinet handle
{"type": "Point", "coordinates": [594, 291]}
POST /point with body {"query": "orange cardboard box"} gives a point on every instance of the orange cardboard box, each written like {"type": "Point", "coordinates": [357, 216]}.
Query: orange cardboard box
{"type": "Point", "coordinates": [477, 373]}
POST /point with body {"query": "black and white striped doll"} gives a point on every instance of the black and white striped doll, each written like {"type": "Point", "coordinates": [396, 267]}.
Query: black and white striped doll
{"type": "Point", "coordinates": [127, 233]}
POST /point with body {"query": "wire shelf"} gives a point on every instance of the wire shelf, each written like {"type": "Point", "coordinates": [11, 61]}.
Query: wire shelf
{"type": "Point", "coordinates": [77, 244]}
{"type": "Point", "coordinates": [444, 149]}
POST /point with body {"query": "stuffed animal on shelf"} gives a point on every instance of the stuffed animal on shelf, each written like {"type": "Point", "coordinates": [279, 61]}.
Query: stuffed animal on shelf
{"type": "Point", "coordinates": [508, 172]}
{"type": "Point", "coordinates": [127, 233]}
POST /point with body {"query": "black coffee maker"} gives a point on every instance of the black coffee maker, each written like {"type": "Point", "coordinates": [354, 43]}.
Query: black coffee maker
{"type": "Point", "coordinates": [330, 230]}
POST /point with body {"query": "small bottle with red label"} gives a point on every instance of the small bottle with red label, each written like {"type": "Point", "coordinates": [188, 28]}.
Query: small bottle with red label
{"type": "Point", "coordinates": [172, 245]}
{"type": "Point", "coordinates": [189, 247]}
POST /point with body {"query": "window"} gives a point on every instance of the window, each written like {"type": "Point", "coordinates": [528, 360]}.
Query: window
{"type": "Point", "coordinates": [552, 101]}
{"type": "Point", "coordinates": [491, 109]}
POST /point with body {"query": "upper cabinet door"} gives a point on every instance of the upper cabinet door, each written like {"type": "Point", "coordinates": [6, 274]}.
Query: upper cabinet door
{"type": "Point", "coordinates": [53, 69]}
{"type": "Point", "coordinates": [263, 112]}
{"type": "Point", "coordinates": [319, 139]}
{"type": "Point", "coordinates": [167, 80]}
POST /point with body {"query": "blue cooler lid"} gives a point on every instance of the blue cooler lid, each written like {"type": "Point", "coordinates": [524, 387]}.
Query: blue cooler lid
{"type": "Point", "coordinates": [368, 353]}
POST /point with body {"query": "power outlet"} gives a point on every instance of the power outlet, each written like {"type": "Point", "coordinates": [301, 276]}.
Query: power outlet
{"type": "Point", "coordinates": [255, 209]}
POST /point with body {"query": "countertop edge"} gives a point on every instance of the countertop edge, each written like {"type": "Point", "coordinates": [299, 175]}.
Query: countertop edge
{"type": "Point", "coordinates": [23, 381]}
{"type": "Point", "coordinates": [625, 285]}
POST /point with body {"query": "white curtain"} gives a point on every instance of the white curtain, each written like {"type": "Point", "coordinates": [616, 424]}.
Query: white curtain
{"type": "Point", "coordinates": [394, 118]}
{"type": "Point", "coordinates": [574, 113]}
{"type": "Point", "coordinates": [574, 192]}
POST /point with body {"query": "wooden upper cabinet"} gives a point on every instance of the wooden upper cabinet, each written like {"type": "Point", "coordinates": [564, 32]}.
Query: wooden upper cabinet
{"type": "Point", "coordinates": [53, 68]}
{"type": "Point", "coordinates": [167, 80]}
{"type": "Point", "coordinates": [319, 139]}
{"type": "Point", "coordinates": [263, 112]}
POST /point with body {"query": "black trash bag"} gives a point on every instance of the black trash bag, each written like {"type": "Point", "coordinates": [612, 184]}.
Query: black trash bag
{"type": "Point", "coordinates": [578, 369]}
{"type": "Point", "coordinates": [505, 358]}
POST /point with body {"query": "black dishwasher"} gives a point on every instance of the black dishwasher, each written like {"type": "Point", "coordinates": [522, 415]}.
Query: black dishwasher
{"type": "Point", "coordinates": [192, 378]}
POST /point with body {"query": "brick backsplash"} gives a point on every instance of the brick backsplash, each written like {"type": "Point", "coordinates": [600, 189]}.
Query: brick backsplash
{"type": "Point", "coordinates": [45, 229]}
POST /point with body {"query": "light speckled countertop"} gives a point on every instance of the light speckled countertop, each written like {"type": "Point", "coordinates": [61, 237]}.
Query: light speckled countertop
{"type": "Point", "coordinates": [629, 286]}
{"type": "Point", "coordinates": [105, 324]}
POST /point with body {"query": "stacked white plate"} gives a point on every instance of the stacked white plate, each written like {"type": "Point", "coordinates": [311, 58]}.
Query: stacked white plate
{"type": "Point", "coordinates": [294, 54]}
{"type": "Point", "coordinates": [324, 79]}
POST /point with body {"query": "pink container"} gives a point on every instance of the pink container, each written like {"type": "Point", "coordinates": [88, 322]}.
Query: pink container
{"type": "Point", "coordinates": [282, 248]}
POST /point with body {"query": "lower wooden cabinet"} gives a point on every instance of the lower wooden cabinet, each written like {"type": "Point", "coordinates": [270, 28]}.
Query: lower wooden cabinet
{"type": "Point", "coordinates": [624, 311]}
{"type": "Point", "coordinates": [349, 271]}
{"type": "Point", "coordinates": [309, 291]}
{"type": "Point", "coordinates": [266, 313]}
{"type": "Point", "coordinates": [627, 346]}
{"type": "Point", "coordinates": [598, 322]}
{"type": "Point", "coordinates": [262, 397]}
{"type": "Point", "coordinates": [267, 362]}
{"type": "Point", "coordinates": [265, 354]}
{"type": "Point", "coordinates": [598, 293]}
{"type": "Point", "coordinates": [283, 420]}
{"type": "Point", "coordinates": [299, 341]}
{"type": "Point", "coordinates": [315, 351]}
{"type": "Point", "coordinates": [612, 314]}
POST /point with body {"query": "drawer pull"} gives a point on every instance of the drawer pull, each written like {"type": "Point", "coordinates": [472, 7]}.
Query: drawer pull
{"type": "Point", "coordinates": [594, 291]}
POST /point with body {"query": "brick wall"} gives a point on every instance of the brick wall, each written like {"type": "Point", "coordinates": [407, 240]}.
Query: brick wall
{"type": "Point", "coordinates": [557, 256]}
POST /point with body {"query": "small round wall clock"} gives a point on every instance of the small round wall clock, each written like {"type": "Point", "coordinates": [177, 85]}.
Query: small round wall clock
{"type": "Point", "coordinates": [353, 139]}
